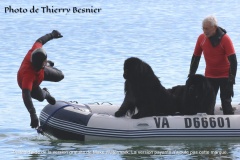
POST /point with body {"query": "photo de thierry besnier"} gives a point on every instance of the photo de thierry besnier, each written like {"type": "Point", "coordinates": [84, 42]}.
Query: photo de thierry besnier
{"type": "Point", "coordinates": [51, 9]}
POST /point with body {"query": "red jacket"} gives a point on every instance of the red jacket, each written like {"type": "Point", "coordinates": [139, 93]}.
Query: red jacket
{"type": "Point", "coordinates": [27, 77]}
{"type": "Point", "coordinates": [216, 58]}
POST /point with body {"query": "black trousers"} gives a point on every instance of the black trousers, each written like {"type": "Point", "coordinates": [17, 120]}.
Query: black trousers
{"type": "Point", "coordinates": [226, 93]}
{"type": "Point", "coordinates": [50, 74]}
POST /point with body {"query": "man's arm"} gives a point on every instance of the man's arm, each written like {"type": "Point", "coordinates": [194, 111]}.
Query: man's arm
{"type": "Point", "coordinates": [54, 34]}
{"type": "Point", "coordinates": [26, 94]}
{"type": "Point", "coordinates": [194, 65]}
{"type": "Point", "coordinates": [233, 68]}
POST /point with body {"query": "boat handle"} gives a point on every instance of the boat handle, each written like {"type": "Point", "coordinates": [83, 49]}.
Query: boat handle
{"type": "Point", "coordinates": [142, 125]}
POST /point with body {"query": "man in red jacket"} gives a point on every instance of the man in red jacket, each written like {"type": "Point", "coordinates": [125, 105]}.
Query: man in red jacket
{"type": "Point", "coordinates": [34, 69]}
{"type": "Point", "coordinates": [220, 58]}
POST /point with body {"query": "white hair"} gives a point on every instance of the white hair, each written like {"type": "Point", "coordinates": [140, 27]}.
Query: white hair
{"type": "Point", "coordinates": [212, 19]}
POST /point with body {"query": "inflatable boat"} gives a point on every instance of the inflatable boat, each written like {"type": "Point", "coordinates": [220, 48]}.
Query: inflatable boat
{"type": "Point", "coordinates": [85, 122]}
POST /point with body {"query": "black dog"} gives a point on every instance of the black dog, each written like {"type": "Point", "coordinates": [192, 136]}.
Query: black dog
{"type": "Point", "coordinates": [144, 92]}
{"type": "Point", "coordinates": [196, 96]}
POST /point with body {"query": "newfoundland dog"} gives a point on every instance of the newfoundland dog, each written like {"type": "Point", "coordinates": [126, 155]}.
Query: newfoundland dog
{"type": "Point", "coordinates": [144, 92]}
{"type": "Point", "coordinates": [196, 96]}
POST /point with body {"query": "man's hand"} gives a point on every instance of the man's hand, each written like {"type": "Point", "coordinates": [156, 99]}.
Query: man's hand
{"type": "Point", "coordinates": [34, 120]}
{"type": "Point", "coordinates": [50, 63]}
{"type": "Point", "coordinates": [56, 34]}
{"type": "Point", "coordinates": [231, 79]}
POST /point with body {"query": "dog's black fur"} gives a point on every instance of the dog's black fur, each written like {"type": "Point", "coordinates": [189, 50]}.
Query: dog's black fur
{"type": "Point", "coordinates": [144, 92]}
{"type": "Point", "coordinates": [196, 96]}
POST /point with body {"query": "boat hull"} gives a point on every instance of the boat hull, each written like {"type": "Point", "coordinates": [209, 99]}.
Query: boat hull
{"type": "Point", "coordinates": [84, 122]}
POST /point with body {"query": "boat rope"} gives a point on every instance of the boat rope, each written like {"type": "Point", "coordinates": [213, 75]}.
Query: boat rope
{"type": "Point", "coordinates": [74, 102]}
{"type": "Point", "coordinates": [40, 128]}
{"type": "Point", "coordinates": [100, 103]}
{"type": "Point", "coordinates": [106, 102]}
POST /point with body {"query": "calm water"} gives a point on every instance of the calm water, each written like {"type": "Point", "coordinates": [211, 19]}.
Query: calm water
{"type": "Point", "coordinates": [91, 55]}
